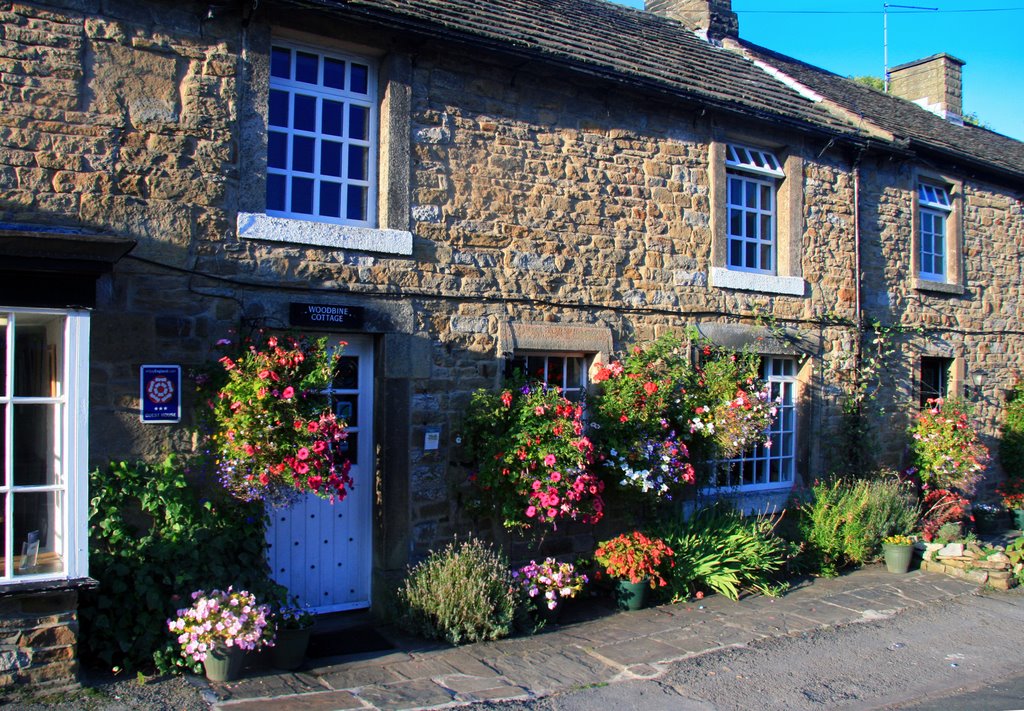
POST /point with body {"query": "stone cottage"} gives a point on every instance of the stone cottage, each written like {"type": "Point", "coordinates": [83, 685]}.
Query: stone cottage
{"type": "Point", "coordinates": [451, 187]}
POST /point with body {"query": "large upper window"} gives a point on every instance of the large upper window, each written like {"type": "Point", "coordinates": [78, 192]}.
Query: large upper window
{"type": "Point", "coordinates": [321, 136]}
{"type": "Point", "coordinates": [934, 210]}
{"type": "Point", "coordinates": [43, 439]}
{"type": "Point", "coordinates": [773, 464]}
{"type": "Point", "coordinates": [752, 176]}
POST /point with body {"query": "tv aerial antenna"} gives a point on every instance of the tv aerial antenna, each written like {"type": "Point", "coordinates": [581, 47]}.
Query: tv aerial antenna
{"type": "Point", "coordinates": [885, 33]}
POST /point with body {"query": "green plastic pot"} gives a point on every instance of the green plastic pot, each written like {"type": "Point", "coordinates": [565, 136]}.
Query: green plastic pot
{"type": "Point", "coordinates": [224, 663]}
{"type": "Point", "coordinates": [631, 596]}
{"type": "Point", "coordinates": [897, 557]}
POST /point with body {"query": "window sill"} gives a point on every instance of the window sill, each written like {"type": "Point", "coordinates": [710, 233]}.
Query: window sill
{"type": "Point", "coordinates": [40, 586]}
{"type": "Point", "coordinates": [323, 234]}
{"type": "Point", "coordinates": [938, 286]}
{"type": "Point", "coordinates": [750, 281]}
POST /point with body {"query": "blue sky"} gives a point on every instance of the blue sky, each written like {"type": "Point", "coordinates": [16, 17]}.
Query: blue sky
{"type": "Point", "coordinates": [845, 37]}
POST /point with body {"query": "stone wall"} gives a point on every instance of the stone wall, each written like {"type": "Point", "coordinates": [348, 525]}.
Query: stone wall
{"type": "Point", "coordinates": [38, 637]}
{"type": "Point", "coordinates": [978, 326]}
{"type": "Point", "coordinates": [533, 195]}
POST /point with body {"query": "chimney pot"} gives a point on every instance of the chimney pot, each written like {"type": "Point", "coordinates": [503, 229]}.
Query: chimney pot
{"type": "Point", "coordinates": [934, 82]}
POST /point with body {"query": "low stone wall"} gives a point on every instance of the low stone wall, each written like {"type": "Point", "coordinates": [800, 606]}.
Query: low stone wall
{"type": "Point", "coordinates": [970, 562]}
{"type": "Point", "coordinates": [38, 641]}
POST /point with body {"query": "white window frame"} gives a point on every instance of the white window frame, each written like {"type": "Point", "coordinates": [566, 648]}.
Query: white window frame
{"type": "Point", "coordinates": [756, 170]}
{"type": "Point", "coordinates": [70, 457]}
{"type": "Point", "coordinates": [574, 392]}
{"type": "Point", "coordinates": [319, 93]}
{"type": "Point", "coordinates": [781, 375]}
{"type": "Point", "coordinates": [934, 208]}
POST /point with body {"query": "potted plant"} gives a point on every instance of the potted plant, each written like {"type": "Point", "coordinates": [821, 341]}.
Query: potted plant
{"type": "Point", "coordinates": [635, 562]}
{"type": "Point", "coordinates": [548, 583]}
{"type": "Point", "coordinates": [1012, 493]}
{"type": "Point", "coordinates": [989, 518]}
{"type": "Point", "coordinates": [294, 626]}
{"type": "Point", "coordinates": [219, 627]}
{"type": "Point", "coordinates": [898, 552]}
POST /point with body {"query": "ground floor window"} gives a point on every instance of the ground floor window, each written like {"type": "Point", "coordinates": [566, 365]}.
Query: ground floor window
{"type": "Point", "coordinates": [771, 465]}
{"type": "Point", "coordinates": [567, 371]}
{"type": "Point", "coordinates": [43, 440]}
{"type": "Point", "coordinates": [934, 382]}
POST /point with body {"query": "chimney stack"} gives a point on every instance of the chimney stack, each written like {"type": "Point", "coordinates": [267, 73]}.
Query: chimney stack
{"type": "Point", "coordinates": [714, 18]}
{"type": "Point", "coordinates": [933, 83]}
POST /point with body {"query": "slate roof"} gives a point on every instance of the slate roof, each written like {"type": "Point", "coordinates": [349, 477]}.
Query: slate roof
{"type": "Point", "coordinates": [654, 53]}
{"type": "Point", "coordinates": [611, 41]}
{"type": "Point", "coordinates": [917, 127]}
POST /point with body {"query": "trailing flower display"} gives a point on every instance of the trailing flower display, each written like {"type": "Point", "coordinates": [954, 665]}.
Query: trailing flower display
{"type": "Point", "coordinates": [274, 434]}
{"type": "Point", "coordinates": [222, 618]}
{"type": "Point", "coordinates": [945, 446]}
{"type": "Point", "coordinates": [550, 582]}
{"type": "Point", "coordinates": [655, 466]}
{"type": "Point", "coordinates": [533, 459]}
{"type": "Point", "coordinates": [657, 397]}
{"type": "Point", "coordinates": [635, 557]}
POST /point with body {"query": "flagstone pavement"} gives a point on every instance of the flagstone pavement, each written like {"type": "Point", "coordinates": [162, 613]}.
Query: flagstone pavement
{"type": "Point", "coordinates": [603, 649]}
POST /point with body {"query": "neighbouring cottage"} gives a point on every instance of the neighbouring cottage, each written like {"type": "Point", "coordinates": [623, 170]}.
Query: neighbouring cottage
{"type": "Point", "coordinates": [452, 187]}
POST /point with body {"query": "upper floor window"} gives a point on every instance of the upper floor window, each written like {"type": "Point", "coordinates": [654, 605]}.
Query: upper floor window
{"type": "Point", "coordinates": [321, 136]}
{"type": "Point", "coordinates": [752, 180]}
{"type": "Point", "coordinates": [773, 464]}
{"type": "Point", "coordinates": [934, 208]}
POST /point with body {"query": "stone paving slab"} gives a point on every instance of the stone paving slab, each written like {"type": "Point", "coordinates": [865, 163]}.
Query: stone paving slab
{"type": "Point", "coordinates": [613, 648]}
{"type": "Point", "coordinates": [640, 651]}
{"type": "Point", "coordinates": [407, 695]}
{"type": "Point", "coordinates": [320, 701]}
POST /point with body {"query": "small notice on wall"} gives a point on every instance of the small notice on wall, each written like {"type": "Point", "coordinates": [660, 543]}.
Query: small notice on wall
{"type": "Point", "coordinates": [160, 393]}
{"type": "Point", "coordinates": [326, 315]}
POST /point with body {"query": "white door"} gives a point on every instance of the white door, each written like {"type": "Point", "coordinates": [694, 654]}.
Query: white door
{"type": "Point", "coordinates": [322, 551]}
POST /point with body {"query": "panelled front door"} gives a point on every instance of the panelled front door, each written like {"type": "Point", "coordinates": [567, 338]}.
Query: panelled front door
{"type": "Point", "coordinates": [321, 551]}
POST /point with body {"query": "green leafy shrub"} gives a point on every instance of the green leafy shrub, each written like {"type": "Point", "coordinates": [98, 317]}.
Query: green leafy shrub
{"type": "Point", "coordinates": [1011, 446]}
{"type": "Point", "coordinates": [845, 520]}
{"type": "Point", "coordinates": [153, 540]}
{"type": "Point", "coordinates": [720, 549]}
{"type": "Point", "coordinates": [462, 593]}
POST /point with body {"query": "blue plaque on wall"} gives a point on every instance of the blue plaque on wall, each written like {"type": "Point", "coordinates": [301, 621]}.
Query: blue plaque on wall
{"type": "Point", "coordinates": [160, 393]}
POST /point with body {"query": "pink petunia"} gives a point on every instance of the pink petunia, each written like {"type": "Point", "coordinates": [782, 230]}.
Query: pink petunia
{"type": "Point", "coordinates": [288, 393]}
{"type": "Point", "coordinates": [549, 460]}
